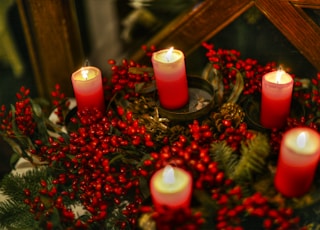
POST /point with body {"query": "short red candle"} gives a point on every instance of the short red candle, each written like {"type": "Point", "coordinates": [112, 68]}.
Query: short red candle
{"type": "Point", "coordinates": [171, 187]}
{"type": "Point", "coordinates": [298, 160]}
{"type": "Point", "coordinates": [171, 78]}
{"type": "Point", "coordinates": [88, 89]}
{"type": "Point", "coordinates": [276, 99]}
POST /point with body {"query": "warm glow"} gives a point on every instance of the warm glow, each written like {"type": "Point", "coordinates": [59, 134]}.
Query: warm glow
{"type": "Point", "coordinates": [302, 140]}
{"type": "Point", "coordinates": [168, 55]}
{"type": "Point", "coordinates": [84, 73]}
{"type": "Point", "coordinates": [168, 175]}
{"type": "Point", "coordinates": [279, 75]}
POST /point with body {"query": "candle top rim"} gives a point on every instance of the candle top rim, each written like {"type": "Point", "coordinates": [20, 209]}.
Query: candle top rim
{"type": "Point", "coordinates": [272, 77]}
{"type": "Point", "coordinates": [160, 56]}
{"type": "Point", "coordinates": [92, 73]}
{"type": "Point", "coordinates": [182, 180]}
{"type": "Point", "coordinates": [311, 145]}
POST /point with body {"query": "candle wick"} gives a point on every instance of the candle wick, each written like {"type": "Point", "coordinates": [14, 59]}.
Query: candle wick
{"type": "Point", "coordinates": [86, 63]}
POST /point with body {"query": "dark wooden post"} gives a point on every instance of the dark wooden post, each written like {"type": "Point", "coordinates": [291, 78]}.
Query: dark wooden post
{"type": "Point", "coordinates": [54, 43]}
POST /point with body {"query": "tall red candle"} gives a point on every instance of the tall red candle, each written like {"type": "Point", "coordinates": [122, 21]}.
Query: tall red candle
{"type": "Point", "coordinates": [276, 99]}
{"type": "Point", "coordinates": [171, 79]}
{"type": "Point", "coordinates": [171, 187]}
{"type": "Point", "coordinates": [298, 160]}
{"type": "Point", "coordinates": [88, 89]}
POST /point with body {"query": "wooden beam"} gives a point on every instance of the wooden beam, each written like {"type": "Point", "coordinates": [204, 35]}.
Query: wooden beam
{"type": "Point", "coordinates": [292, 22]}
{"type": "Point", "coordinates": [312, 4]}
{"type": "Point", "coordinates": [188, 31]}
{"type": "Point", "coordinates": [54, 43]}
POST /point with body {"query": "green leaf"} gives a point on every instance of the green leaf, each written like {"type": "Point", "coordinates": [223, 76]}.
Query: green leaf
{"type": "Point", "coordinates": [14, 159]}
{"type": "Point", "coordinates": [237, 88]}
{"type": "Point", "coordinates": [144, 187]}
{"type": "Point", "coordinates": [40, 119]}
{"type": "Point", "coordinates": [37, 111]}
{"type": "Point", "coordinates": [55, 218]}
{"type": "Point", "coordinates": [145, 87]}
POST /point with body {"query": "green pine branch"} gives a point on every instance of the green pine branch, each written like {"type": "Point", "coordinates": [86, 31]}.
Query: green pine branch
{"type": "Point", "coordinates": [254, 158]}
{"type": "Point", "coordinates": [15, 215]}
{"type": "Point", "coordinates": [225, 157]}
{"type": "Point", "coordinates": [12, 185]}
{"type": "Point", "coordinates": [244, 166]}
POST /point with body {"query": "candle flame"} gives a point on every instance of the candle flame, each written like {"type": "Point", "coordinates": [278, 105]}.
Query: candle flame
{"type": "Point", "coordinates": [279, 74]}
{"type": "Point", "coordinates": [302, 140]}
{"type": "Point", "coordinates": [84, 73]}
{"type": "Point", "coordinates": [168, 55]}
{"type": "Point", "coordinates": [168, 175]}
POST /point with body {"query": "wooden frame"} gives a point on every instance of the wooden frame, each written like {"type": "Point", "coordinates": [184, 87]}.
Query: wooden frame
{"type": "Point", "coordinates": [211, 16]}
{"type": "Point", "coordinates": [54, 43]}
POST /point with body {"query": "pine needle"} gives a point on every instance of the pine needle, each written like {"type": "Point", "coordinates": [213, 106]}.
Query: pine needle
{"type": "Point", "coordinates": [225, 157]}
{"type": "Point", "coordinates": [13, 185]}
{"type": "Point", "coordinates": [242, 167]}
{"type": "Point", "coordinates": [254, 158]}
{"type": "Point", "coordinates": [15, 215]}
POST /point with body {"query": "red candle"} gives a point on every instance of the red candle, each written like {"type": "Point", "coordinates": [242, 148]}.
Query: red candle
{"type": "Point", "coordinates": [276, 99]}
{"type": "Point", "coordinates": [171, 187]}
{"type": "Point", "coordinates": [298, 160]}
{"type": "Point", "coordinates": [88, 89]}
{"type": "Point", "coordinates": [171, 79]}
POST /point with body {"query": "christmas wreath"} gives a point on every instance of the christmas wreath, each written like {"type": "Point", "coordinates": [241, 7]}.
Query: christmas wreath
{"type": "Point", "coordinates": [92, 169]}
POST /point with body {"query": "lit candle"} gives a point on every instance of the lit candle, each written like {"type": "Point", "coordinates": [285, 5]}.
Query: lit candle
{"type": "Point", "coordinates": [276, 99]}
{"type": "Point", "coordinates": [171, 187]}
{"type": "Point", "coordinates": [171, 78]}
{"type": "Point", "coordinates": [298, 160]}
{"type": "Point", "coordinates": [88, 89]}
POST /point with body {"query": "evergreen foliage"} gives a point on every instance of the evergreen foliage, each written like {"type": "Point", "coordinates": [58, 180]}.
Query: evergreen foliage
{"type": "Point", "coordinates": [14, 213]}
{"type": "Point", "coordinates": [243, 166]}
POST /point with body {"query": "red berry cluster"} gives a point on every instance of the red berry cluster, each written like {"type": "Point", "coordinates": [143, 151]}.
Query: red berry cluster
{"type": "Point", "coordinates": [48, 205]}
{"type": "Point", "coordinates": [309, 95]}
{"type": "Point", "coordinates": [148, 50]}
{"type": "Point", "coordinates": [122, 79]}
{"type": "Point", "coordinates": [201, 132]}
{"type": "Point", "coordinates": [234, 136]}
{"type": "Point", "coordinates": [20, 119]}
{"type": "Point", "coordinates": [24, 113]}
{"type": "Point", "coordinates": [229, 63]}
{"type": "Point", "coordinates": [234, 209]}
{"type": "Point", "coordinates": [100, 162]}
{"type": "Point", "coordinates": [192, 154]}
{"type": "Point", "coordinates": [180, 219]}
{"type": "Point", "coordinates": [60, 102]}
{"type": "Point", "coordinates": [276, 135]}
{"type": "Point", "coordinates": [104, 172]}
{"type": "Point", "coordinates": [6, 122]}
